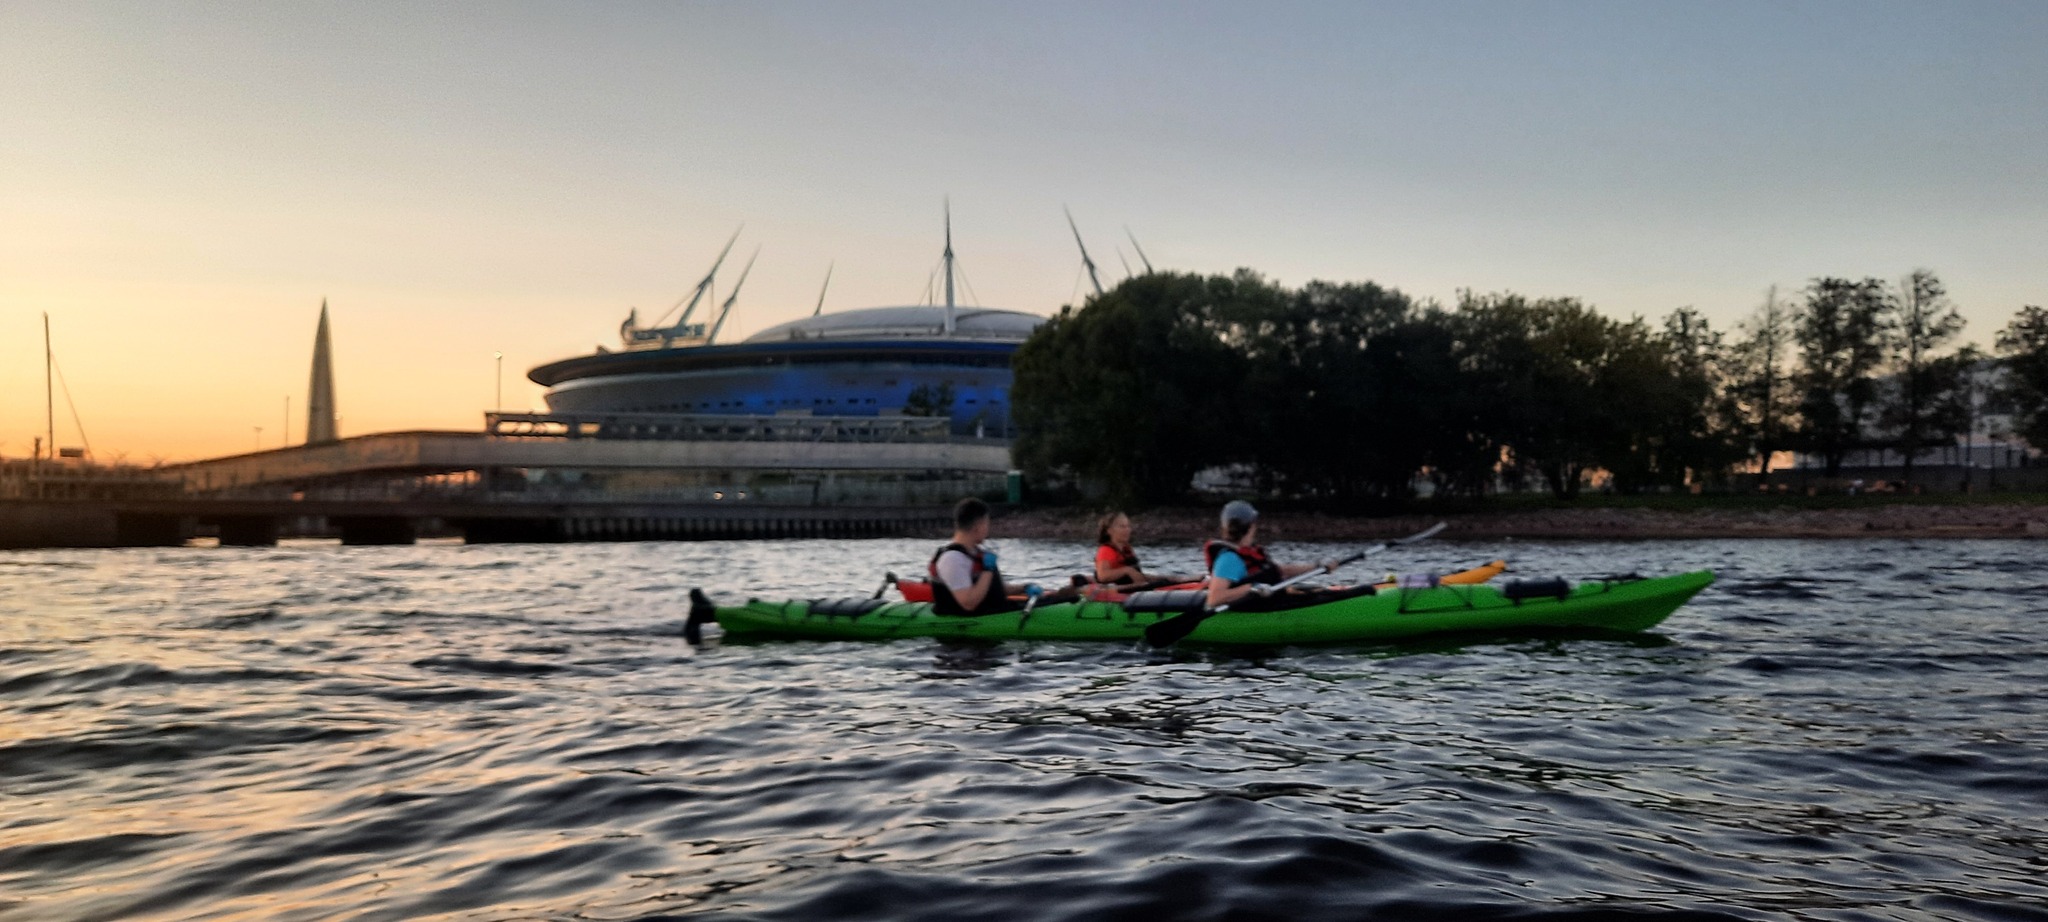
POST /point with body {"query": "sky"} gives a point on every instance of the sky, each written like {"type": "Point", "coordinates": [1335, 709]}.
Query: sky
{"type": "Point", "coordinates": [183, 184]}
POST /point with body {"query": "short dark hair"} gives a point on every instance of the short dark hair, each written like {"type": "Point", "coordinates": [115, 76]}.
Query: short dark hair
{"type": "Point", "coordinates": [1236, 531]}
{"type": "Point", "coordinates": [968, 512]}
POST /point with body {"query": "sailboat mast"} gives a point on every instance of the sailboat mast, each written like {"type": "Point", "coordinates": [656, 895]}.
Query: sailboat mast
{"type": "Point", "coordinates": [949, 267]}
{"type": "Point", "coordinates": [49, 394]}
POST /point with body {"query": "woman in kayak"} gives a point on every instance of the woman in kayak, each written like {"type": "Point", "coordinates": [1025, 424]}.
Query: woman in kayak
{"type": "Point", "coordinates": [1238, 566]}
{"type": "Point", "coordinates": [964, 577]}
{"type": "Point", "coordinates": [1116, 562]}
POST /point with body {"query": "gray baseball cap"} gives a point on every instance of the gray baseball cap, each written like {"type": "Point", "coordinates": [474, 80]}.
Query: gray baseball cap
{"type": "Point", "coordinates": [1238, 510]}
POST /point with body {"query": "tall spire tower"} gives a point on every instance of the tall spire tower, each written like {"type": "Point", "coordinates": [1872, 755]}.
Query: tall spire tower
{"type": "Point", "coordinates": [320, 402]}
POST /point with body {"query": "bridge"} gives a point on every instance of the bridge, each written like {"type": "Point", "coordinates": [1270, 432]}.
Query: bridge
{"type": "Point", "coordinates": [720, 445]}
{"type": "Point", "coordinates": [536, 477]}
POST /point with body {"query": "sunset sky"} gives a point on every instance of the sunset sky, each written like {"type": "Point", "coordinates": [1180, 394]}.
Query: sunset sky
{"type": "Point", "coordinates": [181, 184]}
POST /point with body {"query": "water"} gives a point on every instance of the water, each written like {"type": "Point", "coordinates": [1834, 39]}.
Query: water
{"type": "Point", "coordinates": [1834, 731]}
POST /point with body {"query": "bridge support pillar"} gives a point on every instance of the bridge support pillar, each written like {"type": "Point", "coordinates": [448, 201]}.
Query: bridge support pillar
{"type": "Point", "coordinates": [134, 530]}
{"type": "Point", "coordinates": [248, 531]}
{"type": "Point", "coordinates": [375, 530]}
{"type": "Point", "coordinates": [520, 531]}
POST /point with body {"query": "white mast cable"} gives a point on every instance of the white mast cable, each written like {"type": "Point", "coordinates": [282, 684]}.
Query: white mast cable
{"type": "Point", "coordinates": [76, 421]}
{"type": "Point", "coordinates": [702, 286]}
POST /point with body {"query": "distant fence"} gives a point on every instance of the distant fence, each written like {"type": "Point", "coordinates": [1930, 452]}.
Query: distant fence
{"type": "Point", "coordinates": [1929, 478]}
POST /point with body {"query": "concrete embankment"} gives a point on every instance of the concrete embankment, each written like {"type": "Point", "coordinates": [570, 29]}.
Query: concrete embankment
{"type": "Point", "coordinates": [1875, 521]}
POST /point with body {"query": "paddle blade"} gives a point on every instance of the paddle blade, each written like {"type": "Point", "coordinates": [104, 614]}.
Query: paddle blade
{"type": "Point", "coordinates": [1424, 534]}
{"type": "Point", "coordinates": [701, 612]}
{"type": "Point", "coordinates": [1170, 631]}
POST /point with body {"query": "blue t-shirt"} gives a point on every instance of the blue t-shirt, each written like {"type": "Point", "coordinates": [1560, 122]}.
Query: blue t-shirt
{"type": "Point", "coordinates": [1228, 566]}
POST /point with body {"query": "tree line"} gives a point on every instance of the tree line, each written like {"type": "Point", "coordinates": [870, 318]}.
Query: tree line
{"type": "Point", "coordinates": [1350, 391]}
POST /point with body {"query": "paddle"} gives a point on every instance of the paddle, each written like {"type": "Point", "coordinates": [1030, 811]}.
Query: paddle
{"type": "Point", "coordinates": [1168, 632]}
{"type": "Point", "coordinates": [888, 579]}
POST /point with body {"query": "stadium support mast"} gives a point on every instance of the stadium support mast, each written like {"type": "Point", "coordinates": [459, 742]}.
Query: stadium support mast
{"type": "Point", "coordinates": [949, 267]}
{"type": "Point", "coordinates": [1141, 250]}
{"type": "Point", "coordinates": [1085, 261]}
{"type": "Point", "coordinates": [822, 289]}
{"type": "Point", "coordinates": [725, 311]}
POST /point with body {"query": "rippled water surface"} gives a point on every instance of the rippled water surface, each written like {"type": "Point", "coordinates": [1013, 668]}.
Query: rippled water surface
{"type": "Point", "coordinates": [1833, 731]}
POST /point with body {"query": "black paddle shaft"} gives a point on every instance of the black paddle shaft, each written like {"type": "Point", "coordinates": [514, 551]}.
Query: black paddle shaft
{"type": "Point", "coordinates": [1170, 631]}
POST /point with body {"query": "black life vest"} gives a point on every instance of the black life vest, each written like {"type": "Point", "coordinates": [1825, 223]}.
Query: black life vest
{"type": "Point", "coordinates": [1258, 568]}
{"type": "Point", "coordinates": [943, 600]}
{"type": "Point", "coordinates": [1124, 558]}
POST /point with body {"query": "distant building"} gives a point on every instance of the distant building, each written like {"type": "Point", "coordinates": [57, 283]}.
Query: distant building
{"type": "Point", "coordinates": [1988, 439]}
{"type": "Point", "coordinates": [933, 360]}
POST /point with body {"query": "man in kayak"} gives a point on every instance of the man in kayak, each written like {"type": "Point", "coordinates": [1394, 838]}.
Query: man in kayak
{"type": "Point", "coordinates": [964, 577]}
{"type": "Point", "coordinates": [1238, 566]}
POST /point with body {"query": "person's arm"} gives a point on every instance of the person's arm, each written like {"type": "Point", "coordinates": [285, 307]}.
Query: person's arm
{"type": "Point", "coordinates": [970, 597]}
{"type": "Point", "coordinates": [1106, 573]}
{"type": "Point", "coordinates": [1222, 593]}
{"type": "Point", "coordinates": [953, 568]}
{"type": "Point", "coordinates": [1228, 569]}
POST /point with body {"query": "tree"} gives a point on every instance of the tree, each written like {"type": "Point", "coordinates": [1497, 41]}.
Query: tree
{"type": "Point", "coordinates": [1762, 405]}
{"type": "Point", "coordinates": [1324, 371]}
{"type": "Point", "coordinates": [1564, 390]}
{"type": "Point", "coordinates": [1136, 390]}
{"type": "Point", "coordinates": [2024, 345]}
{"type": "Point", "coordinates": [1679, 417]}
{"type": "Point", "coordinates": [1841, 331]}
{"type": "Point", "coordinates": [1922, 405]}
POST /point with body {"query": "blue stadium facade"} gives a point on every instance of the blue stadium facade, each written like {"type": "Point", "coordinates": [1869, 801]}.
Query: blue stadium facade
{"type": "Point", "coordinates": [851, 363]}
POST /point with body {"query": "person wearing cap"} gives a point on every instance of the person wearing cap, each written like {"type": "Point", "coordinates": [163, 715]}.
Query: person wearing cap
{"type": "Point", "coordinates": [1238, 566]}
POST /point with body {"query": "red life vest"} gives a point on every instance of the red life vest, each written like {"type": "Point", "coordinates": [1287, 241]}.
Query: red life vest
{"type": "Point", "coordinates": [943, 600]}
{"type": "Point", "coordinates": [1258, 568]}
{"type": "Point", "coordinates": [1123, 558]}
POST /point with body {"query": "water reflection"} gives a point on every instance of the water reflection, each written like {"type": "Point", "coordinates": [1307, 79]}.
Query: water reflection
{"type": "Point", "coordinates": [519, 731]}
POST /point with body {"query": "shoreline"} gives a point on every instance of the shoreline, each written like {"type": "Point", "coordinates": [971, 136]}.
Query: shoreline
{"type": "Point", "coordinates": [1881, 521]}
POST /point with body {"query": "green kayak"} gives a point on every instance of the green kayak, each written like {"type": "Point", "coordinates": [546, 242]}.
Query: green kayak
{"type": "Point", "coordinates": [1625, 604]}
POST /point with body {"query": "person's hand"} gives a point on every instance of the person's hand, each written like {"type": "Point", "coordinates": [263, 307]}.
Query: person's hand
{"type": "Point", "coordinates": [1262, 589]}
{"type": "Point", "coordinates": [1032, 591]}
{"type": "Point", "coordinates": [1329, 566]}
{"type": "Point", "coordinates": [988, 560]}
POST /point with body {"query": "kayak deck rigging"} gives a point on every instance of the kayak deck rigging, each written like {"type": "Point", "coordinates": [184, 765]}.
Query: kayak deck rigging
{"type": "Point", "coordinates": [1356, 615]}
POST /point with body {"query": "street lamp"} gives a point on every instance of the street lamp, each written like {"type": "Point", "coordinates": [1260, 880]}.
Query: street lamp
{"type": "Point", "coordinates": [498, 399]}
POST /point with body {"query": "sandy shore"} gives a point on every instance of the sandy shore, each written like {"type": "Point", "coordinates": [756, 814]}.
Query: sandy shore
{"type": "Point", "coordinates": [1892, 521]}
